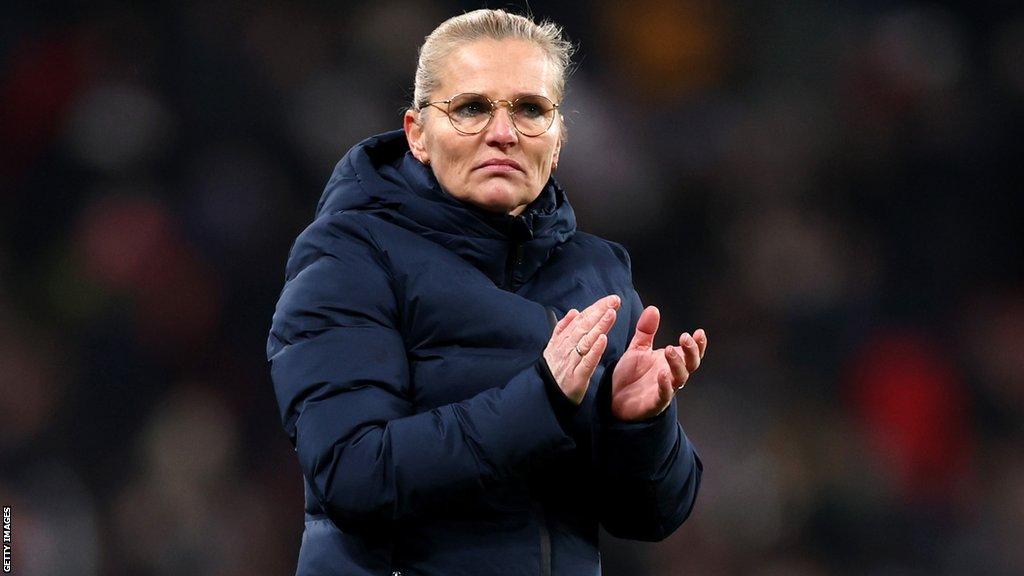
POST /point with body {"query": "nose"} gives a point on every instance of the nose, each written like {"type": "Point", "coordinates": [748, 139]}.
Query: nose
{"type": "Point", "coordinates": [501, 132]}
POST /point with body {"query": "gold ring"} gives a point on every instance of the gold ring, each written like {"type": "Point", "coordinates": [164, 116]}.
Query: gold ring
{"type": "Point", "coordinates": [577, 349]}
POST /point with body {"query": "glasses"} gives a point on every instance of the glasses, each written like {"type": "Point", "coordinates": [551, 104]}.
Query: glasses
{"type": "Point", "coordinates": [470, 113]}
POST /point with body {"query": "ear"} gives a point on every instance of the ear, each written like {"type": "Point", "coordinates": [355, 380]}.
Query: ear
{"type": "Point", "coordinates": [415, 136]}
{"type": "Point", "coordinates": [554, 157]}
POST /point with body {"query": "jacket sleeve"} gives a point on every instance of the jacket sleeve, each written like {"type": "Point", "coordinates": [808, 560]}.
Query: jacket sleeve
{"type": "Point", "coordinates": [648, 472]}
{"type": "Point", "coordinates": [340, 373]}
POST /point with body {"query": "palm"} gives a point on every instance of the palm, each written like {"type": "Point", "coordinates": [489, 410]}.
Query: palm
{"type": "Point", "coordinates": [635, 391]}
{"type": "Point", "coordinates": [646, 379]}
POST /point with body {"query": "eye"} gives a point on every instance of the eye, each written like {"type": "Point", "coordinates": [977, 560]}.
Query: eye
{"type": "Point", "coordinates": [470, 107]}
{"type": "Point", "coordinates": [532, 107]}
{"type": "Point", "coordinates": [528, 110]}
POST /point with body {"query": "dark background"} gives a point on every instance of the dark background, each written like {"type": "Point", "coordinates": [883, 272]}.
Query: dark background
{"type": "Point", "coordinates": [831, 189]}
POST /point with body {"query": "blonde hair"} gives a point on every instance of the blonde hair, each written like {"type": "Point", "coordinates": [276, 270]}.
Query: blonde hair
{"type": "Point", "coordinates": [488, 24]}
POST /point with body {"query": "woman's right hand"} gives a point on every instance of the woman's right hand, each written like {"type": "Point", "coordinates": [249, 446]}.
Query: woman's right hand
{"type": "Point", "coordinates": [577, 343]}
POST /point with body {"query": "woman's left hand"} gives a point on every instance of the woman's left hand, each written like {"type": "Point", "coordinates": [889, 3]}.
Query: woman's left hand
{"type": "Point", "coordinates": [645, 379]}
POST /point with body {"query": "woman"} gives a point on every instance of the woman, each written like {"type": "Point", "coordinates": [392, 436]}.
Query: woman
{"type": "Point", "coordinates": [445, 423]}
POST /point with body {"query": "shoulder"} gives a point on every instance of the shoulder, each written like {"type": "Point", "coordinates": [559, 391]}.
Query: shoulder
{"type": "Point", "coordinates": [345, 236]}
{"type": "Point", "coordinates": [335, 276]}
{"type": "Point", "coordinates": [600, 251]}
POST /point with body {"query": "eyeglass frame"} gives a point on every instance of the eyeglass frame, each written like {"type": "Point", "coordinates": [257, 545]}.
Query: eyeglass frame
{"type": "Point", "coordinates": [494, 107]}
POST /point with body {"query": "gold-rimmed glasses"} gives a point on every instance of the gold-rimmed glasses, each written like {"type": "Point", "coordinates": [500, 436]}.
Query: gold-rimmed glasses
{"type": "Point", "coordinates": [470, 113]}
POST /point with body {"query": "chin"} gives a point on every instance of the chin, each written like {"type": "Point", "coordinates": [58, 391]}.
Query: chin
{"type": "Point", "coordinates": [500, 199]}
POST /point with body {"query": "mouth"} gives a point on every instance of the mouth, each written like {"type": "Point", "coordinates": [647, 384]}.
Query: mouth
{"type": "Point", "coordinates": [500, 165]}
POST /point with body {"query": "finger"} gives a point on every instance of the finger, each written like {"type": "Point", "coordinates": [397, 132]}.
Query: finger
{"type": "Point", "coordinates": [701, 337]}
{"type": "Point", "coordinates": [691, 352]}
{"type": "Point", "coordinates": [602, 327]}
{"type": "Point", "coordinates": [646, 328]}
{"type": "Point", "coordinates": [565, 321]}
{"type": "Point", "coordinates": [585, 369]}
{"type": "Point", "coordinates": [589, 317]}
{"type": "Point", "coordinates": [612, 301]}
{"type": "Point", "coordinates": [665, 389]}
{"type": "Point", "coordinates": [677, 364]}
{"type": "Point", "coordinates": [594, 312]}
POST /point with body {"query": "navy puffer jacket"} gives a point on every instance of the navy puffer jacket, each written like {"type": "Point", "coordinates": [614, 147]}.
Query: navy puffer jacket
{"type": "Point", "coordinates": [406, 355]}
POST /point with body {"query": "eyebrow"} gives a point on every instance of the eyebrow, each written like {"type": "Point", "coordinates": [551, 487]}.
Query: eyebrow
{"type": "Point", "coordinates": [514, 96]}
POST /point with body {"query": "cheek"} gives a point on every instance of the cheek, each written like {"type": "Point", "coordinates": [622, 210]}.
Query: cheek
{"type": "Point", "coordinates": [451, 162]}
{"type": "Point", "coordinates": [446, 149]}
{"type": "Point", "coordinates": [545, 159]}
{"type": "Point", "coordinates": [454, 164]}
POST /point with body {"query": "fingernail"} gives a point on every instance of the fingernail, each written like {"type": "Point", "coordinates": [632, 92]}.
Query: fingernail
{"type": "Point", "coordinates": [671, 351]}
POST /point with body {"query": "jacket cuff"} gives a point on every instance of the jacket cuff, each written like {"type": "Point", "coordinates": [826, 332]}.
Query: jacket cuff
{"type": "Point", "coordinates": [564, 408]}
{"type": "Point", "coordinates": [636, 448]}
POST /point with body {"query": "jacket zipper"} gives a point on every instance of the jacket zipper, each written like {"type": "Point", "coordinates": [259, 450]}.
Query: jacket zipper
{"type": "Point", "coordinates": [515, 259]}
{"type": "Point", "coordinates": [545, 539]}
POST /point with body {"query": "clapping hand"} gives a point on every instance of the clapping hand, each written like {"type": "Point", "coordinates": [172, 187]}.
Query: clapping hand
{"type": "Point", "coordinates": [576, 346]}
{"type": "Point", "coordinates": [645, 379]}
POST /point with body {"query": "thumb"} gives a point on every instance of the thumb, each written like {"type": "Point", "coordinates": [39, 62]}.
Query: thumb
{"type": "Point", "coordinates": [646, 328]}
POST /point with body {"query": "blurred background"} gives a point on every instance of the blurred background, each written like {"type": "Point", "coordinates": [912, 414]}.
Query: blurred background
{"type": "Point", "coordinates": [832, 189]}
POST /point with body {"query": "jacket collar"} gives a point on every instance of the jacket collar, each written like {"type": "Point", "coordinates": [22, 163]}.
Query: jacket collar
{"type": "Point", "coordinates": [381, 176]}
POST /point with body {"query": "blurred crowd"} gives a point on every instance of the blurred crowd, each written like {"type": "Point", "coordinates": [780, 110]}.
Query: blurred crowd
{"type": "Point", "coordinates": [828, 188]}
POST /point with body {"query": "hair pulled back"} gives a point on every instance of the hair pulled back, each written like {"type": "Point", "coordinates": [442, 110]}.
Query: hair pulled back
{"type": "Point", "coordinates": [486, 24]}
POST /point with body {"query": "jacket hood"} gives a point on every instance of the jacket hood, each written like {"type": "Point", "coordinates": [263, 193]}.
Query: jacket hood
{"type": "Point", "coordinates": [381, 176]}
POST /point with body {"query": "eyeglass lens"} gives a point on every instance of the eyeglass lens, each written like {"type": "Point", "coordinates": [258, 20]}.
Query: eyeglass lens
{"type": "Point", "coordinates": [531, 115]}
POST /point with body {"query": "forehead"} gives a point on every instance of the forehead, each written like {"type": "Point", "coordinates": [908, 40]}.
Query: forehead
{"type": "Point", "coordinates": [497, 69]}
